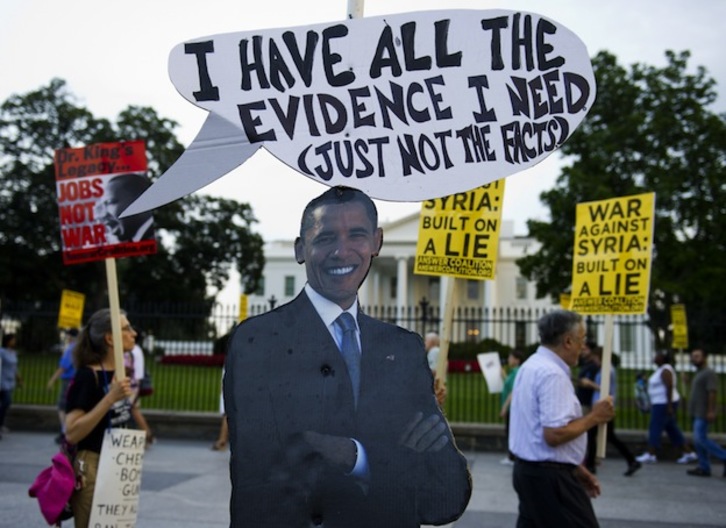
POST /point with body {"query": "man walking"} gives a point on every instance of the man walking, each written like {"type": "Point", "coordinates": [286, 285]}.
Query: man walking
{"type": "Point", "coordinates": [702, 407]}
{"type": "Point", "coordinates": [547, 430]}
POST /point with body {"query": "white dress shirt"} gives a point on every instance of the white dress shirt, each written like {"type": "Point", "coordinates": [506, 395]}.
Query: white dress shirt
{"type": "Point", "coordinates": [329, 312]}
{"type": "Point", "coordinates": [543, 396]}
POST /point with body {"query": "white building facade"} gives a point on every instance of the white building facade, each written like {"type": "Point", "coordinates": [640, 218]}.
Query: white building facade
{"type": "Point", "coordinates": [392, 283]}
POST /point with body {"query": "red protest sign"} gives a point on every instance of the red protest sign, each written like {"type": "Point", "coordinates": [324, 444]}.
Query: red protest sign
{"type": "Point", "coordinates": [95, 184]}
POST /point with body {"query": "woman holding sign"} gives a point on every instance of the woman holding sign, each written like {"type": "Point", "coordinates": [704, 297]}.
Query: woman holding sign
{"type": "Point", "coordinates": [96, 401]}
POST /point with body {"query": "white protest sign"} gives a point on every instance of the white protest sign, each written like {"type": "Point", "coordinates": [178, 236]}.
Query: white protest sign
{"type": "Point", "coordinates": [404, 107]}
{"type": "Point", "coordinates": [118, 482]}
{"type": "Point", "coordinates": [491, 367]}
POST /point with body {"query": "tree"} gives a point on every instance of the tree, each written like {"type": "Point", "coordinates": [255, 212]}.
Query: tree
{"type": "Point", "coordinates": [200, 237]}
{"type": "Point", "coordinates": [651, 129]}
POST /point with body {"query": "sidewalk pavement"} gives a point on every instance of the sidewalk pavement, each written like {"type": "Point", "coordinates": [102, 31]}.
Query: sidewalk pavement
{"type": "Point", "coordinates": [185, 484]}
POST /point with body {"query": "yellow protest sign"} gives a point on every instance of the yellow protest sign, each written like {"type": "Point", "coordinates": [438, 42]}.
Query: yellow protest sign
{"type": "Point", "coordinates": [459, 234]}
{"type": "Point", "coordinates": [565, 301]}
{"type": "Point", "coordinates": [612, 255]}
{"type": "Point", "coordinates": [71, 309]}
{"type": "Point", "coordinates": [680, 326]}
{"type": "Point", "coordinates": [243, 307]}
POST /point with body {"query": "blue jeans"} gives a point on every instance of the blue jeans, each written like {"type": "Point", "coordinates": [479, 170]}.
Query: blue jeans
{"type": "Point", "coordinates": [704, 445]}
{"type": "Point", "coordinates": [661, 421]}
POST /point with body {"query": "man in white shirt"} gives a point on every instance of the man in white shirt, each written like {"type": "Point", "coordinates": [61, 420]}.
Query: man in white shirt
{"type": "Point", "coordinates": [547, 430]}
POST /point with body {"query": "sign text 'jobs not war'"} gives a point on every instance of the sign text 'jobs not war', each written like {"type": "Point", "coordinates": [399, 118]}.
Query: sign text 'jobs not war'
{"type": "Point", "coordinates": [94, 185]}
{"type": "Point", "coordinates": [405, 107]}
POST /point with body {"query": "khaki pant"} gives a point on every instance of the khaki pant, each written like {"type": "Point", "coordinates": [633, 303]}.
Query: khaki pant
{"type": "Point", "coordinates": [86, 467]}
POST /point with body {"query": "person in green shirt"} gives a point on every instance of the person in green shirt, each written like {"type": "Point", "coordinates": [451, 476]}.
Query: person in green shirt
{"type": "Point", "coordinates": [514, 360]}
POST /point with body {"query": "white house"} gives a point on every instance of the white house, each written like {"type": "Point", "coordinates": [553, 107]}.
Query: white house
{"type": "Point", "coordinates": [391, 282]}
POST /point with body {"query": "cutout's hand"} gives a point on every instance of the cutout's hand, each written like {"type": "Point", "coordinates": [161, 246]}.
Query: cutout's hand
{"type": "Point", "coordinates": [425, 434]}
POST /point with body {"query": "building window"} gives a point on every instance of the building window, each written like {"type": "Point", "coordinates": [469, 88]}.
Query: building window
{"type": "Point", "coordinates": [289, 285]}
{"type": "Point", "coordinates": [472, 289]}
{"type": "Point", "coordinates": [394, 287]}
{"type": "Point", "coordinates": [434, 289]}
{"type": "Point", "coordinates": [260, 287]}
{"type": "Point", "coordinates": [521, 289]}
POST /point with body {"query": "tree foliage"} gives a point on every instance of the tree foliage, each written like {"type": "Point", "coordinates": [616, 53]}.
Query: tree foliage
{"type": "Point", "coordinates": [200, 237]}
{"type": "Point", "coordinates": [651, 130]}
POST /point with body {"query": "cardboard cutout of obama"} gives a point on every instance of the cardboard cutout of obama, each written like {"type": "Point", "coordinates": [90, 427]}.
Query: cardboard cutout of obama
{"type": "Point", "coordinates": [336, 424]}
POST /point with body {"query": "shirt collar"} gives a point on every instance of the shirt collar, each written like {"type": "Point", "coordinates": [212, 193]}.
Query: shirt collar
{"type": "Point", "coordinates": [552, 356]}
{"type": "Point", "coordinates": [327, 309]}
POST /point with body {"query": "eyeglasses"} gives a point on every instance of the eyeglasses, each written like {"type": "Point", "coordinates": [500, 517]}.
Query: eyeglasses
{"type": "Point", "coordinates": [127, 328]}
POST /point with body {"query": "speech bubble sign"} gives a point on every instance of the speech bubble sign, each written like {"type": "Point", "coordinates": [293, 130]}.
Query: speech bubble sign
{"type": "Point", "coordinates": [404, 107]}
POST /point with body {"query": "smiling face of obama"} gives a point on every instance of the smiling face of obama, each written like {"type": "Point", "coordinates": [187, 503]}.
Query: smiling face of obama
{"type": "Point", "coordinates": [337, 244]}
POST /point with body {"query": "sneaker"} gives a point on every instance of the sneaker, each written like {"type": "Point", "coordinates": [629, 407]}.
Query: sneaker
{"type": "Point", "coordinates": [506, 462]}
{"type": "Point", "coordinates": [632, 468]}
{"type": "Point", "coordinates": [647, 458]}
{"type": "Point", "coordinates": [687, 458]}
{"type": "Point", "coordinates": [698, 472]}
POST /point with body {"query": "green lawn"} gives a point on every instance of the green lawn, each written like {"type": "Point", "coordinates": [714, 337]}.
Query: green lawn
{"type": "Point", "coordinates": [190, 388]}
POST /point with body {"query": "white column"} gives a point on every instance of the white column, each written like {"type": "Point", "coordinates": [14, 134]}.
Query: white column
{"type": "Point", "coordinates": [401, 283]}
{"type": "Point", "coordinates": [443, 285]}
{"type": "Point", "coordinates": [376, 289]}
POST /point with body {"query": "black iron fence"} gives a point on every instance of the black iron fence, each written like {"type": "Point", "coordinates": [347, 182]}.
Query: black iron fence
{"type": "Point", "coordinates": [184, 353]}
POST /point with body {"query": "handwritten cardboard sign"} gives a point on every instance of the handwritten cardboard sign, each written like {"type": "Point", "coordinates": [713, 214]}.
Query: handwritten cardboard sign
{"type": "Point", "coordinates": [118, 481]}
{"type": "Point", "coordinates": [404, 107]}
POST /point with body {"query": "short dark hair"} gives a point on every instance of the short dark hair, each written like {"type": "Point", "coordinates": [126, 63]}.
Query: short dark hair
{"type": "Point", "coordinates": [518, 355]}
{"type": "Point", "coordinates": [7, 338]}
{"type": "Point", "coordinates": [554, 325]}
{"type": "Point", "coordinates": [337, 196]}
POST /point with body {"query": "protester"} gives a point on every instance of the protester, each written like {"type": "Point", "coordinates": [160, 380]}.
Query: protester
{"type": "Point", "coordinates": [548, 430]}
{"type": "Point", "coordinates": [220, 348]}
{"type": "Point", "coordinates": [65, 372]}
{"type": "Point", "coordinates": [702, 407]}
{"type": "Point", "coordinates": [96, 401]}
{"type": "Point", "coordinates": [586, 376]}
{"type": "Point", "coordinates": [332, 416]}
{"type": "Point", "coordinates": [431, 345]}
{"type": "Point", "coordinates": [611, 437]}
{"type": "Point", "coordinates": [9, 376]}
{"type": "Point", "coordinates": [664, 398]}
{"type": "Point", "coordinates": [135, 370]}
{"type": "Point", "coordinates": [514, 360]}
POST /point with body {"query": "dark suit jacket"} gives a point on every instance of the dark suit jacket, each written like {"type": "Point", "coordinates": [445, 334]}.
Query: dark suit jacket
{"type": "Point", "coordinates": [284, 375]}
